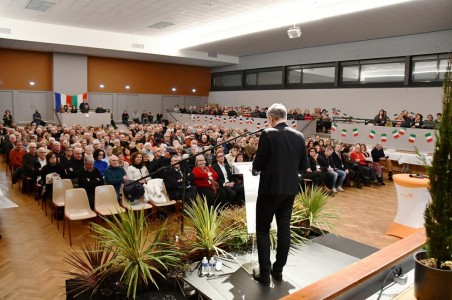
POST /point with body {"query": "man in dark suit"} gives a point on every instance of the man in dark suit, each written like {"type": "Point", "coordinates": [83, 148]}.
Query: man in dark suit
{"type": "Point", "coordinates": [281, 155]}
{"type": "Point", "coordinates": [173, 181]}
{"type": "Point", "coordinates": [234, 192]}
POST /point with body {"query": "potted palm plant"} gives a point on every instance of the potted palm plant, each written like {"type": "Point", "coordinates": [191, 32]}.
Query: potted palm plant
{"type": "Point", "coordinates": [433, 267]}
{"type": "Point", "coordinates": [127, 255]}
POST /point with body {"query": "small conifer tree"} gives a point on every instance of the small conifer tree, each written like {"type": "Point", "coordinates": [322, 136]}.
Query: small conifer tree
{"type": "Point", "coordinates": [438, 214]}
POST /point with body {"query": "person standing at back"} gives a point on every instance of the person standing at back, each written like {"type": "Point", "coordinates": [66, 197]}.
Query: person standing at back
{"type": "Point", "coordinates": [280, 156]}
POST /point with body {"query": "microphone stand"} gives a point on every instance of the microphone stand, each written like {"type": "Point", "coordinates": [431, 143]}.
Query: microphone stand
{"type": "Point", "coordinates": [184, 163]}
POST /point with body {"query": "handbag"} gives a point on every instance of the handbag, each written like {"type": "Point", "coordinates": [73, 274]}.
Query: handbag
{"type": "Point", "coordinates": [214, 186]}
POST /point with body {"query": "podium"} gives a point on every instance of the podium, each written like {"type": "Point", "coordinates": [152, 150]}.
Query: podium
{"type": "Point", "coordinates": [251, 186]}
{"type": "Point", "coordinates": [412, 198]}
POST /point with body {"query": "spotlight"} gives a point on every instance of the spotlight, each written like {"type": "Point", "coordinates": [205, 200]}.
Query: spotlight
{"type": "Point", "coordinates": [294, 32]}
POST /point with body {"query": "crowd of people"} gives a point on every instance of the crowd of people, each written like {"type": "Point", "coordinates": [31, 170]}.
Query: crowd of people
{"type": "Point", "coordinates": [404, 119]}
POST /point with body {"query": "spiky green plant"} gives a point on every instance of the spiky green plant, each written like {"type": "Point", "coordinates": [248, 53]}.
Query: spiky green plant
{"type": "Point", "coordinates": [89, 264]}
{"type": "Point", "coordinates": [140, 257]}
{"type": "Point", "coordinates": [235, 217]}
{"type": "Point", "coordinates": [438, 214]}
{"type": "Point", "coordinates": [207, 222]}
{"type": "Point", "coordinates": [313, 208]}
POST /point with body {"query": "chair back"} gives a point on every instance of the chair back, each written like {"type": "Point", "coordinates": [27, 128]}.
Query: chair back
{"type": "Point", "coordinates": [105, 195]}
{"type": "Point", "coordinates": [59, 190]}
{"type": "Point", "coordinates": [76, 201]}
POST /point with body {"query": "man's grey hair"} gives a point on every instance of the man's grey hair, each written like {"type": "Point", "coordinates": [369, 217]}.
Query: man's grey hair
{"type": "Point", "coordinates": [277, 111]}
{"type": "Point", "coordinates": [89, 159]}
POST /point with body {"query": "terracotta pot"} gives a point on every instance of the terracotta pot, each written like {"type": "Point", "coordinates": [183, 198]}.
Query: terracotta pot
{"type": "Point", "coordinates": [431, 283]}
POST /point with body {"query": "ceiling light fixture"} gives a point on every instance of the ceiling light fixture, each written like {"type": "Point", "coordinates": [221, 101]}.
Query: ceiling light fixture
{"type": "Point", "coordinates": [101, 86]}
{"type": "Point", "coordinates": [193, 90]}
{"type": "Point", "coordinates": [173, 89]}
{"type": "Point", "coordinates": [127, 87]}
{"type": "Point", "coordinates": [294, 32]}
{"type": "Point", "coordinates": [32, 83]}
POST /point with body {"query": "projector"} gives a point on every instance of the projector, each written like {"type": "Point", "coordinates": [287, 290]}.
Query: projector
{"type": "Point", "coordinates": [294, 32]}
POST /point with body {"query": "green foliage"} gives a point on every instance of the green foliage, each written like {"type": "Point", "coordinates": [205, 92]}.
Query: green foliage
{"type": "Point", "coordinates": [312, 208]}
{"type": "Point", "coordinates": [438, 222]}
{"type": "Point", "coordinates": [89, 267]}
{"type": "Point", "coordinates": [138, 256]}
{"type": "Point", "coordinates": [234, 218]}
{"type": "Point", "coordinates": [207, 222]}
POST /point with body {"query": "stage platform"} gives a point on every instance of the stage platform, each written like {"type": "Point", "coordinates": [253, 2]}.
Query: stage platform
{"type": "Point", "coordinates": [322, 256]}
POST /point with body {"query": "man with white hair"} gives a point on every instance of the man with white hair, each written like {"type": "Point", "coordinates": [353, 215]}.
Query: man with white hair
{"type": "Point", "coordinates": [115, 175]}
{"type": "Point", "coordinates": [280, 157]}
{"type": "Point", "coordinates": [29, 160]}
{"type": "Point", "coordinates": [89, 178]}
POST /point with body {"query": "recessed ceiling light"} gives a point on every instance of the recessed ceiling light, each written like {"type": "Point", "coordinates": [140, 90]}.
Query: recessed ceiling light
{"type": "Point", "coordinates": [193, 90]}
{"type": "Point", "coordinates": [101, 86]}
{"type": "Point", "coordinates": [32, 83]}
{"type": "Point", "coordinates": [127, 87]}
{"type": "Point", "coordinates": [173, 89]}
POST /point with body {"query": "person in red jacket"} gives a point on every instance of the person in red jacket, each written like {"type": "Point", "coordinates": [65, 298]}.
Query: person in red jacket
{"type": "Point", "coordinates": [358, 157]}
{"type": "Point", "coordinates": [206, 182]}
{"type": "Point", "coordinates": [16, 155]}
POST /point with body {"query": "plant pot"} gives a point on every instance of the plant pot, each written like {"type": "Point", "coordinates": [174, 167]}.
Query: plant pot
{"type": "Point", "coordinates": [431, 283]}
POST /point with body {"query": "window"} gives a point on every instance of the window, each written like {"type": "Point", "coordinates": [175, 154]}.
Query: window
{"type": "Point", "coordinates": [272, 77]}
{"type": "Point", "coordinates": [232, 80]}
{"type": "Point", "coordinates": [310, 74]}
{"type": "Point", "coordinates": [293, 75]}
{"type": "Point", "coordinates": [428, 68]}
{"type": "Point", "coordinates": [227, 81]}
{"type": "Point", "coordinates": [374, 71]}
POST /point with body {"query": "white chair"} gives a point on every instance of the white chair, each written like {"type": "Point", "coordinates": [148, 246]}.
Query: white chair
{"type": "Point", "coordinates": [76, 208]}
{"type": "Point", "coordinates": [169, 202]}
{"type": "Point", "coordinates": [58, 194]}
{"type": "Point", "coordinates": [105, 201]}
{"type": "Point", "coordinates": [135, 205]}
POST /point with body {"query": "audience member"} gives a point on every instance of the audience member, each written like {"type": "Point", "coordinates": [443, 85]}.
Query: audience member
{"type": "Point", "coordinates": [89, 178]}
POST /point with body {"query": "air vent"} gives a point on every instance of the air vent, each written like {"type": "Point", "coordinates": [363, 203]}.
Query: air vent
{"type": "Point", "coordinates": [40, 5]}
{"type": "Point", "coordinates": [212, 54]}
{"type": "Point", "coordinates": [161, 25]}
{"type": "Point", "coordinates": [5, 30]}
{"type": "Point", "coordinates": [139, 46]}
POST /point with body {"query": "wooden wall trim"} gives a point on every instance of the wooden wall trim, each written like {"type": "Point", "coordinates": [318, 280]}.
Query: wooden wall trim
{"type": "Point", "coordinates": [351, 276]}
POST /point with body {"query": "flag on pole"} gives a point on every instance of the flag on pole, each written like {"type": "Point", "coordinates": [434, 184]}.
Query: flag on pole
{"type": "Point", "coordinates": [334, 127]}
{"type": "Point", "coordinates": [395, 134]}
{"type": "Point", "coordinates": [344, 132]}
{"type": "Point", "coordinates": [412, 138]}
{"type": "Point", "coordinates": [355, 132]}
{"type": "Point", "coordinates": [371, 134]}
{"type": "Point", "coordinates": [294, 124]}
{"type": "Point", "coordinates": [428, 137]}
{"type": "Point", "coordinates": [402, 130]}
{"type": "Point", "coordinates": [383, 138]}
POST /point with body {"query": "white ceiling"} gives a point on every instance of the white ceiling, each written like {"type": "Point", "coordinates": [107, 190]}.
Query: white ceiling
{"type": "Point", "coordinates": [131, 18]}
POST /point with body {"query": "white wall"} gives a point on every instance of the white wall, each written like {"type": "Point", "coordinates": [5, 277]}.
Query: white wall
{"type": "Point", "coordinates": [70, 73]}
{"type": "Point", "coordinates": [359, 103]}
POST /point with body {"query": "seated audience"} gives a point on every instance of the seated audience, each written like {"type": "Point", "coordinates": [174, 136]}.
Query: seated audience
{"type": "Point", "coordinates": [206, 182]}
{"type": "Point", "coordinates": [173, 178]}
{"type": "Point", "coordinates": [235, 193]}
{"type": "Point", "coordinates": [89, 178]}
{"type": "Point", "coordinates": [379, 157]}
{"type": "Point", "coordinates": [358, 157]}
{"type": "Point", "coordinates": [338, 174]}
{"type": "Point", "coordinates": [115, 175]}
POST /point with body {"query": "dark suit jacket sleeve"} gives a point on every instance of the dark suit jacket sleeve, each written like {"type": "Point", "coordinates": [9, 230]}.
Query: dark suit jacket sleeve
{"type": "Point", "coordinates": [262, 153]}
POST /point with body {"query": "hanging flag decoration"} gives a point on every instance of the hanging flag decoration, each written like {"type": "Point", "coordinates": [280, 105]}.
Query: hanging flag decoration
{"type": "Point", "coordinates": [344, 132]}
{"type": "Point", "coordinates": [395, 115]}
{"type": "Point", "coordinates": [412, 138]}
{"type": "Point", "coordinates": [355, 132]}
{"type": "Point", "coordinates": [294, 124]}
{"type": "Point", "coordinates": [333, 127]}
{"type": "Point", "coordinates": [218, 118]}
{"type": "Point", "coordinates": [402, 130]}
{"type": "Point", "coordinates": [247, 120]}
{"type": "Point", "coordinates": [395, 134]}
{"type": "Point", "coordinates": [411, 115]}
{"type": "Point", "coordinates": [240, 120]}
{"type": "Point", "coordinates": [234, 119]}
{"type": "Point", "coordinates": [205, 119]}
{"type": "Point", "coordinates": [224, 120]}
{"type": "Point", "coordinates": [371, 134]}
{"type": "Point", "coordinates": [251, 121]}
{"type": "Point", "coordinates": [428, 137]}
{"type": "Point", "coordinates": [266, 123]}
{"type": "Point", "coordinates": [383, 138]}
{"type": "Point", "coordinates": [258, 125]}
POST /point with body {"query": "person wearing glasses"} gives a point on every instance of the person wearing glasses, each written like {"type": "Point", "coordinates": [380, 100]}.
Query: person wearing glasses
{"type": "Point", "coordinates": [89, 178]}
{"type": "Point", "coordinates": [99, 162]}
{"type": "Point", "coordinates": [49, 173]}
{"type": "Point", "coordinates": [206, 182]}
{"type": "Point", "coordinates": [235, 193]}
{"type": "Point", "coordinates": [280, 157]}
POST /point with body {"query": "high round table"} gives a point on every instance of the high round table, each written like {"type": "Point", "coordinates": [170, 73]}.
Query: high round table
{"type": "Point", "coordinates": [412, 198]}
